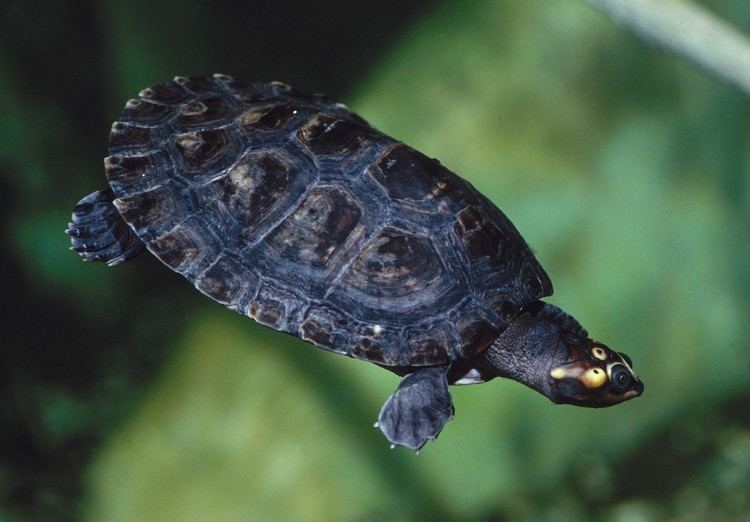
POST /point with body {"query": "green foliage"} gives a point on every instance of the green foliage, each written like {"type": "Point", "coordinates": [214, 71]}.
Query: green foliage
{"type": "Point", "coordinates": [626, 170]}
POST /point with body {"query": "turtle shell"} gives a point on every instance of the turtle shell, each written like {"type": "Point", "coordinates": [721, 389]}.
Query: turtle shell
{"type": "Point", "coordinates": [294, 211]}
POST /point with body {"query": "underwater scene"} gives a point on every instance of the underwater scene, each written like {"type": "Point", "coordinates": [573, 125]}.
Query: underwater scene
{"type": "Point", "coordinates": [127, 395]}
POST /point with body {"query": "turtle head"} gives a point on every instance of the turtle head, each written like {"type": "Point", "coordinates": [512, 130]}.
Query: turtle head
{"type": "Point", "coordinates": [549, 351]}
{"type": "Point", "coordinates": [588, 373]}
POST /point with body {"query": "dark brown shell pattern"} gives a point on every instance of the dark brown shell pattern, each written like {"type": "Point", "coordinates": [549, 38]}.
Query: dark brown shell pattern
{"type": "Point", "coordinates": [294, 211]}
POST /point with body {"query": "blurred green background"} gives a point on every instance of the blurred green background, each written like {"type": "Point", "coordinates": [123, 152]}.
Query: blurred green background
{"type": "Point", "coordinates": [126, 395]}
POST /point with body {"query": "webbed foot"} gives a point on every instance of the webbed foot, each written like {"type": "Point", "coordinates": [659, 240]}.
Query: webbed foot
{"type": "Point", "coordinates": [418, 409]}
{"type": "Point", "coordinates": [98, 233]}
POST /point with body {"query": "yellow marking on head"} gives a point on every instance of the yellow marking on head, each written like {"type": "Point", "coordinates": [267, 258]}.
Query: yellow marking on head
{"type": "Point", "coordinates": [591, 378]}
{"type": "Point", "coordinates": [594, 378]}
{"type": "Point", "coordinates": [630, 368]}
{"type": "Point", "coordinates": [599, 353]}
{"type": "Point", "coordinates": [562, 373]}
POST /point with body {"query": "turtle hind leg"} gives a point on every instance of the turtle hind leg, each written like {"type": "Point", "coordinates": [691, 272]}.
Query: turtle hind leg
{"type": "Point", "coordinates": [98, 233]}
{"type": "Point", "coordinates": [418, 409]}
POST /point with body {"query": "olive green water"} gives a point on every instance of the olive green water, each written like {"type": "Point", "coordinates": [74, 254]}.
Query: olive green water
{"type": "Point", "coordinates": [126, 395]}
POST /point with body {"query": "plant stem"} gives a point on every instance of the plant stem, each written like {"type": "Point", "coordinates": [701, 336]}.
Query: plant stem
{"type": "Point", "coordinates": [687, 30]}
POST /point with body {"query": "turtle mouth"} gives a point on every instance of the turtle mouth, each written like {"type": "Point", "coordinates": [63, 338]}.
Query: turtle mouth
{"type": "Point", "coordinates": [635, 391]}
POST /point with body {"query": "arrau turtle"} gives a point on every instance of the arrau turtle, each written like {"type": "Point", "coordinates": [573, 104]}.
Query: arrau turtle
{"type": "Point", "coordinates": [294, 211]}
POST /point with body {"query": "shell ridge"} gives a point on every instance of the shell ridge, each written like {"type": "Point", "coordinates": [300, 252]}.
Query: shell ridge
{"type": "Point", "coordinates": [344, 267]}
{"type": "Point", "coordinates": [273, 225]}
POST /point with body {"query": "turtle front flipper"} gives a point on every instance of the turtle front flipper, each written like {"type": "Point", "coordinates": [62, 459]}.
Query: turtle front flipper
{"type": "Point", "coordinates": [98, 232]}
{"type": "Point", "coordinates": [418, 409]}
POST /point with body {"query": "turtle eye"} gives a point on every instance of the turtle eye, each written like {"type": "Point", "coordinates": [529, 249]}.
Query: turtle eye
{"type": "Point", "coordinates": [621, 378]}
{"type": "Point", "coordinates": [626, 358]}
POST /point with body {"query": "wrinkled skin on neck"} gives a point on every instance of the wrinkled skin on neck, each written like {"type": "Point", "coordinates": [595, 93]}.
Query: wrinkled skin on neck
{"type": "Point", "coordinates": [549, 351]}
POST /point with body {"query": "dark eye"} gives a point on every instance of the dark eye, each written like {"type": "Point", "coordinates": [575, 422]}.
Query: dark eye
{"type": "Point", "coordinates": [620, 378]}
{"type": "Point", "coordinates": [626, 358]}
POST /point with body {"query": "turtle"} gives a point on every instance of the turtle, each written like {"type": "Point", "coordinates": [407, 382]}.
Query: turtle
{"type": "Point", "coordinates": [292, 210]}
